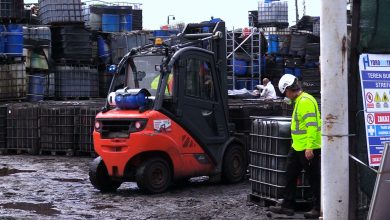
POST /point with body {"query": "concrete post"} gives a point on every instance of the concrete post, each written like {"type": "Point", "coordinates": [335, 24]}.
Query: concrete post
{"type": "Point", "coordinates": [334, 110]}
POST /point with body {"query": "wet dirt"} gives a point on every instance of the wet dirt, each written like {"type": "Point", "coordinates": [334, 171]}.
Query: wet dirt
{"type": "Point", "coordinates": [48, 187]}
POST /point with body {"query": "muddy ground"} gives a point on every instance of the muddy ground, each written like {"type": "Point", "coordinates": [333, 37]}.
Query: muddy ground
{"type": "Point", "coordinates": [46, 187]}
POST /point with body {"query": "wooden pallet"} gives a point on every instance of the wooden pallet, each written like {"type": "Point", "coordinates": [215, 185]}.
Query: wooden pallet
{"type": "Point", "coordinates": [8, 151]}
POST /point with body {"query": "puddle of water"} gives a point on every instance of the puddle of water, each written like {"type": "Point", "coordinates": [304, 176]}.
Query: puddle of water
{"type": "Point", "coordinates": [101, 207]}
{"type": "Point", "coordinates": [41, 208]}
{"type": "Point", "coordinates": [68, 180]}
{"type": "Point", "coordinates": [5, 171]}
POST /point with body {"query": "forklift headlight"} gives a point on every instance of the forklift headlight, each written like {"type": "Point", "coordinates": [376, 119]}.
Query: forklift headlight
{"type": "Point", "coordinates": [138, 125]}
{"type": "Point", "coordinates": [98, 126]}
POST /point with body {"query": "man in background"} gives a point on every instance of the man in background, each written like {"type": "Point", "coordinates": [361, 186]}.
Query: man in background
{"type": "Point", "coordinates": [268, 89]}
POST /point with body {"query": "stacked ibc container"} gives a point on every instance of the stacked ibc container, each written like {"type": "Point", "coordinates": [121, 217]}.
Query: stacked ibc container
{"type": "Point", "coordinates": [37, 48]}
{"type": "Point", "coordinates": [71, 50]}
{"type": "Point", "coordinates": [12, 68]}
{"type": "Point", "coordinates": [270, 144]}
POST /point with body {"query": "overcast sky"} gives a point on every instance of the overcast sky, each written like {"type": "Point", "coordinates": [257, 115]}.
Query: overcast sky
{"type": "Point", "coordinates": [233, 12]}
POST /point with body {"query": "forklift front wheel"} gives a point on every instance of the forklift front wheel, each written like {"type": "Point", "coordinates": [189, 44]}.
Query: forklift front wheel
{"type": "Point", "coordinates": [234, 165]}
{"type": "Point", "coordinates": [99, 177]}
{"type": "Point", "coordinates": [154, 175]}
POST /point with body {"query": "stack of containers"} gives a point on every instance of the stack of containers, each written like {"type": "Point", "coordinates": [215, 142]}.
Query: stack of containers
{"type": "Point", "coordinates": [270, 144]}
{"type": "Point", "coordinates": [108, 18]}
{"type": "Point", "coordinates": [37, 48]}
{"type": "Point", "coordinates": [12, 69]}
{"type": "Point", "coordinates": [71, 50]}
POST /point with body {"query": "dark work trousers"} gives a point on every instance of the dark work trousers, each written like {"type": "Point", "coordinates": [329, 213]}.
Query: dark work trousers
{"type": "Point", "coordinates": [296, 161]}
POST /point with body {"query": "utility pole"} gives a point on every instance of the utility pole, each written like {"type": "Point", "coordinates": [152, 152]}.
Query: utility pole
{"type": "Point", "coordinates": [334, 110]}
{"type": "Point", "coordinates": [296, 12]}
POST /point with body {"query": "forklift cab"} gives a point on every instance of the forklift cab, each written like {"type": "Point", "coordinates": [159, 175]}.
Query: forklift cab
{"type": "Point", "coordinates": [186, 89]}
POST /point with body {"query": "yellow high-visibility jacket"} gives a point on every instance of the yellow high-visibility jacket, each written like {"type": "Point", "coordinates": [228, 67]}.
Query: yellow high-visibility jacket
{"type": "Point", "coordinates": [306, 123]}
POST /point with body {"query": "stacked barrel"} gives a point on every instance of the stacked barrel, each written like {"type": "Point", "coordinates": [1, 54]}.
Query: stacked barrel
{"type": "Point", "coordinates": [116, 29]}
{"type": "Point", "coordinates": [52, 61]}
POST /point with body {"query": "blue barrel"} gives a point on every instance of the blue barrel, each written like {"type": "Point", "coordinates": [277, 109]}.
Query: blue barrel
{"type": "Point", "coordinates": [289, 71]}
{"type": "Point", "coordinates": [240, 67]}
{"type": "Point", "coordinates": [161, 33]}
{"type": "Point", "coordinates": [14, 36]}
{"type": "Point", "coordinates": [36, 87]}
{"type": "Point", "coordinates": [110, 23]}
{"type": "Point", "coordinates": [273, 44]}
{"type": "Point", "coordinates": [298, 72]}
{"type": "Point", "coordinates": [130, 101]}
{"type": "Point", "coordinates": [103, 50]}
{"type": "Point", "coordinates": [2, 38]}
{"type": "Point", "coordinates": [126, 23]}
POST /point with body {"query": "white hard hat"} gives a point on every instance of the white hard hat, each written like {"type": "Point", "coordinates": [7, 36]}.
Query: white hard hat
{"type": "Point", "coordinates": [286, 81]}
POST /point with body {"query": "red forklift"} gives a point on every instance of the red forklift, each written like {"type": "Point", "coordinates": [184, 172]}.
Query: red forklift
{"type": "Point", "coordinates": [166, 118]}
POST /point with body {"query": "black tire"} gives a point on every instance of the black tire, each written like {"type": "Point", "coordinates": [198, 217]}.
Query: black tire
{"type": "Point", "coordinates": [234, 164]}
{"type": "Point", "coordinates": [99, 177]}
{"type": "Point", "coordinates": [154, 176]}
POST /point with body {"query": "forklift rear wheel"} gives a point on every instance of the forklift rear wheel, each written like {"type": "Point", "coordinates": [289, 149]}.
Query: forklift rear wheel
{"type": "Point", "coordinates": [99, 177]}
{"type": "Point", "coordinates": [154, 176]}
{"type": "Point", "coordinates": [234, 166]}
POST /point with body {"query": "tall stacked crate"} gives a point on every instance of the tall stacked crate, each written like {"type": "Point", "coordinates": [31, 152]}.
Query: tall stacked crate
{"type": "Point", "coordinates": [75, 75]}
{"type": "Point", "coordinates": [38, 49]}
{"type": "Point", "coordinates": [12, 69]}
{"type": "Point", "coordinates": [270, 144]}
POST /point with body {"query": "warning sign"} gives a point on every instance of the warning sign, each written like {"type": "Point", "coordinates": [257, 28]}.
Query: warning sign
{"type": "Point", "coordinates": [375, 82]}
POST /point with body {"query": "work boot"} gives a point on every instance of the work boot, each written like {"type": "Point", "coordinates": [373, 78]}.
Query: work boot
{"type": "Point", "coordinates": [281, 210]}
{"type": "Point", "coordinates": [314, 213]}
